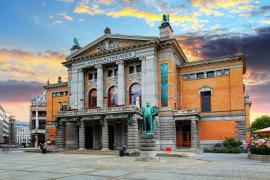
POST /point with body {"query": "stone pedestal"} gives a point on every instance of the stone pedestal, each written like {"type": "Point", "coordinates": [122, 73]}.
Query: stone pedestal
{"type": "Point", "coordinates": [148, 149]}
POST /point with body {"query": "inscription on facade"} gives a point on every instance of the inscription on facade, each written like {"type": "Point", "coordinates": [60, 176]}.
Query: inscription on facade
{"type": "Point", "coordinates": [111, 58]}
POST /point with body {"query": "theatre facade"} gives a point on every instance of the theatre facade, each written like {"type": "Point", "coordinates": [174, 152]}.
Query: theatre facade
{"type": "Point", "coordinates": [200, 103]}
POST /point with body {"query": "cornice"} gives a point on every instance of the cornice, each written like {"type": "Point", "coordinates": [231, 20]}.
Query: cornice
{"type": "Point", "coordinates": [216, 60]}
{"type": "Point", "coordinates": [118, 50]}
{"type": "Point", "coordinates": [57, 85]}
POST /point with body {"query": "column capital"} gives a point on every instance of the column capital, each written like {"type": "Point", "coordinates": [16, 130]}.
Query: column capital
{"type": "Point", "coordinates": [97, 66]}
{"type": "Point", "coordinates": [81, 70]}
{"type": "Point", "coordinates": [120, 62]}
{"type": "Point", "coordinates": [142, 58]}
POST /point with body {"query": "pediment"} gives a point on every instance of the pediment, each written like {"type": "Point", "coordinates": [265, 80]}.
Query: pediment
{"type": "Point", "coordinates": [109, 42]}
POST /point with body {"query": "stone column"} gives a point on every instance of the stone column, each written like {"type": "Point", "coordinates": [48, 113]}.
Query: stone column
{"type": "Point", "coordinates": [60, 136]}
{"type": "Point", "coordinates": [74, 87]}
{"type": "Point", "coordinates": [81, 135]}
{"type": "Point", "coordinates": [194, 133]}
{"type": "Point", "coordinates": [72, 135]}
{"type": "Point", "coordinates": [100, 95]}
{"type": "Point", "coordinates": [121, 83]}
{"type": "Point", "coordinates": [36, 140]}
{"type": "Point", "coordinates": [133, 138]}
{"type": "Point", "coordinates": [105, 136]}
{"type": "Point", "coordinates": [37, 122]}
{"type": "Point", "coordinates": [80, 89]}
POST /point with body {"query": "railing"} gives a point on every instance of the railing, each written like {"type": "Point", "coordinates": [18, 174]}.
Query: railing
{"type": "Point", "coordinates": [129, 108]}
{"type": "Point", "coordinates": [185, 112]}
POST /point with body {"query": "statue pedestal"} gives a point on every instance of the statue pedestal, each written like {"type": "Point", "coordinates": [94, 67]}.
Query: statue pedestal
{"type": "Point", "coordinates": [148, 149]}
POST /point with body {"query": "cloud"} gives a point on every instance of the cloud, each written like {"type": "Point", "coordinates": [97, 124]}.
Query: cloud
{"type": "Point", "coordinates": [19, 91]}
{"type": "Point", "coordinates": [28, 66]}
{"type": "Point", "coordinates": [213, 7]}
{"type": "Point", "coordinates": [256, 46]}
{"type": "Point", "coordinates": [84, 9]}
{"type": "Point", "coordinates": [65, 16]}
{"type": "Point", "coordinates": [149, 17]}
{"type": "Point", "coordinates": [66, 1]}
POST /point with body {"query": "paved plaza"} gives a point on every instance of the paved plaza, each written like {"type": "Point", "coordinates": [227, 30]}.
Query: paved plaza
{"type": "Point", "coordinates": [20, 165]}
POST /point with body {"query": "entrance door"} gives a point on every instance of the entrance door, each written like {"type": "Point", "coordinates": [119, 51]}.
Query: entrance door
{"type": "Point", "coordinates": [183, 134]}
{"type": "Point", "coordinates": [186, 136]}
{"type": "Point", "coordinates": [111, 136]}
{"type": "Point", "coordinates": [88, 137]}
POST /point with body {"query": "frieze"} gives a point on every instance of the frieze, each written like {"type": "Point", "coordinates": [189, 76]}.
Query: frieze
{"type": "Point", "coordinates": [111, 58]}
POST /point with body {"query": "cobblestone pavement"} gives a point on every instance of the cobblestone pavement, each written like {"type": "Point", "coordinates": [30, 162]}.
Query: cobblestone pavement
{"type": "Point", "coordinates": [19, 165]}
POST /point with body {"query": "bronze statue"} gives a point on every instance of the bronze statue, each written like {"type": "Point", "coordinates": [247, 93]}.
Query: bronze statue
{"type": "Point", "coordinates": [149, 124]}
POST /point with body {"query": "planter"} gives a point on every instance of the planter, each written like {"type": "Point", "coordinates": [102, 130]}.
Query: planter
{"type": "Point", "coordinates": [259, 157]}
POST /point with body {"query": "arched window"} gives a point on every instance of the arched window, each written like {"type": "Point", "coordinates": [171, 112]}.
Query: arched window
{"type": "Point", "coordinates": [135, 91]}
{"type": "Point", "coordinates": [93, 98]}
{"type": "Point", "coordinates": [112, 96]}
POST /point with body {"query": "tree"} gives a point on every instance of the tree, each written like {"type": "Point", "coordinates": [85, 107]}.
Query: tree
{"type": "Point", "coordinates": [260, 123]}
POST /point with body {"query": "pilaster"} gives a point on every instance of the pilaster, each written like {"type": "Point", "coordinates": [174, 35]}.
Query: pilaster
{"type": "Point", "coordinates": [194, 133]}
{"type": "Point", "coordinates": [105, 136]}
{"type": "Point", "coordinates": [133, 138]}
{"type": "Point", "coordinates": [80, 89]}
{"type": "Point", "coordinates": [81, 135]}
{"type": "Point", "coordinates": [60, 136]}
{"type": "Point", "coordinates": [71, 135]}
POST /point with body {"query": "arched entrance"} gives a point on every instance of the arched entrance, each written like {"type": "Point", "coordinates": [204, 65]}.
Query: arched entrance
{"type": "Point", "coordinates": [111, 136]}
{"type": "Point", "coordinates": [88, 137]}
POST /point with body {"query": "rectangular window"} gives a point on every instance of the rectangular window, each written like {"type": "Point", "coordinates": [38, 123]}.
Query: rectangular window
{"type": "Point", "coordinates": [206, 101]}
{"type": "Point", "coordinates": [115, 72]}
{"type": "Point", "coordinates": [95, 76]}
{"type": "Point", "coordinates": [90, 76]}
{"type": "Point", "coordinates": [164, 84]}
{"type": "Point", "coordinates": [110, 72]}
{"type": "Point", "coordinates": [139, 69]}
{"type": "Point", "coordinates": [200, 75]}
{"type": "Point", "coordinates": [210, 74]}
{"type": "Point", "coordinates": [131, 69]}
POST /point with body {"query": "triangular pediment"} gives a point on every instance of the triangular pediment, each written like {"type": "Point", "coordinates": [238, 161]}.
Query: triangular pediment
{"type": "Point", "coordinates": [109, 42]}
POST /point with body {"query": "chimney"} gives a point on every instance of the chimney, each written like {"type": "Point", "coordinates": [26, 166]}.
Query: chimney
{"type": "Point", "coordinates": [165, 29]}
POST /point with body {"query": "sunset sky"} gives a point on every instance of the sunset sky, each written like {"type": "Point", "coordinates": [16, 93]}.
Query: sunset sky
{"type": "Point", "coordinates": [36, 35]}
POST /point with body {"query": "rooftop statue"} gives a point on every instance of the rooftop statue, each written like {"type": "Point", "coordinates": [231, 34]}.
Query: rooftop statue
{"type": "Point", "coordinates": [165, 18]}
{"type": "Point", "coordinates": [76, 42]}
{"type": "Point", "coordinates": [149, 124]}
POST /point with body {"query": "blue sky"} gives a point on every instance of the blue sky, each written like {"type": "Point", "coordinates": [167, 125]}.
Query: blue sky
{"type": "Point", "coordinates": [36, 35]}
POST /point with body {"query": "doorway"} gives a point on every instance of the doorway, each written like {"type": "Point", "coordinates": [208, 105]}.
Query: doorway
{"type": "Point", "coordinates": [183, 134]}
{"type": "Point", "coordinates": [88, 137]}
{"type": "Point", "coordinates": [111, 137]}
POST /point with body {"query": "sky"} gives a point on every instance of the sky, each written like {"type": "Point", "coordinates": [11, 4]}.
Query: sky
{"type": "Point", "coordinates": [36, 35]}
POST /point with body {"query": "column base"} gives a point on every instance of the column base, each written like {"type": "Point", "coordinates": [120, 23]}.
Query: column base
{"type": "Point", "coordinates": [105, 149]}
{"type": "Point", "coordinates": [81, 149]}
{"type": "Point", "coordinates": [133, 152]}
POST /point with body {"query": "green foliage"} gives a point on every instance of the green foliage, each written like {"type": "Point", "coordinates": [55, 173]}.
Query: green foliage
{"type": "Point", "coordinates": [223, 150]}
{"type": "Point", "coordinates": [260, 150]}
{"type": "Point", "coordinates": [231, 142]}
{"type": "Point", "coordinates": [230, 145]}
{"type": "Point", "coordinates": [260, 123]}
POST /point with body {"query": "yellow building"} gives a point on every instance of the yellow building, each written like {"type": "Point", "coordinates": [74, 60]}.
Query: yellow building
{"type": "Point", "coordinates": [200, 103]}
{"type": "Point", "coordinates": [57, 98]}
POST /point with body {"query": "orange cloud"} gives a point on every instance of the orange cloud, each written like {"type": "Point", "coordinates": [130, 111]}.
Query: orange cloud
{"type": "Point", "coordinates": [210, 7]}
{"type": "Point", "coordinates": [149, 17]}
{"type": "Point", "coordinates": [27, 66]}
{"type": "Point", "coordinates": [191, 47]}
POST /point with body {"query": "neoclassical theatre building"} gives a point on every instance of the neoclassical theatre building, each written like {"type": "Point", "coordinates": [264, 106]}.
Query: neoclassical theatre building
{"type": "Point", "coordinates": [200, 103]}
